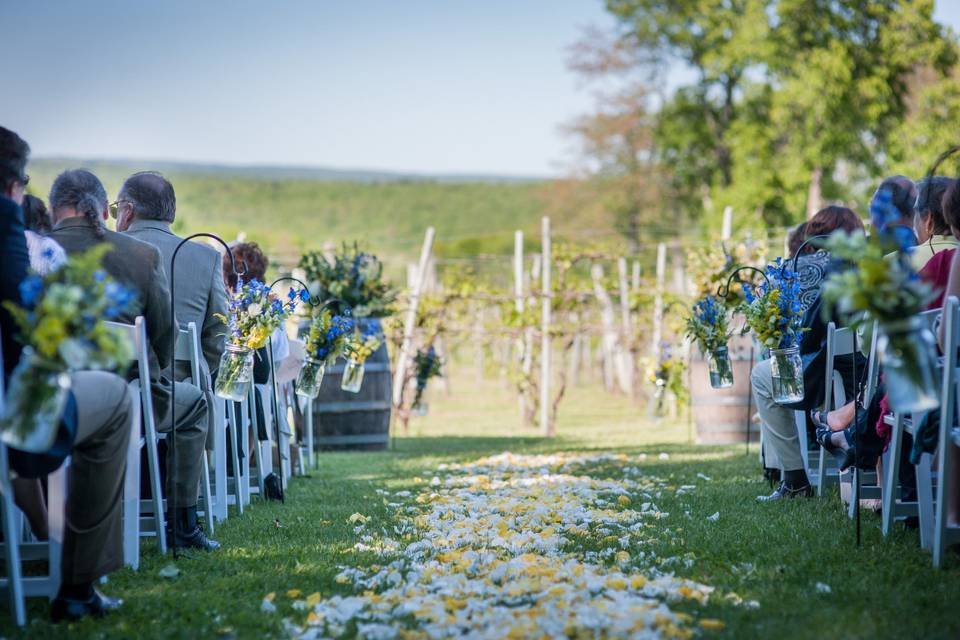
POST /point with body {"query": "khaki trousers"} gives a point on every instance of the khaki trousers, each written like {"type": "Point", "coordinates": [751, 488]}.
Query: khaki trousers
{"type": "Point", "coordinates": [781, 444]}
{"type": "Point", "coordinates": [93, 534]}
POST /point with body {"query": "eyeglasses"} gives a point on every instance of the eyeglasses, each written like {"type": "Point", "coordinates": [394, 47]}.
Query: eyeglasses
{"type": "Point", "coordinates": [115, 208]}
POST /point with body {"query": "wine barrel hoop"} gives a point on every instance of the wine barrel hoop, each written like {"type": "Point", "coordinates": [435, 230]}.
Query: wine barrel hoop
{"type": "Point", "coordinates": [358, 421]}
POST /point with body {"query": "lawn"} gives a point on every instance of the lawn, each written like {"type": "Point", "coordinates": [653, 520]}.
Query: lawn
{"type": "Point", "coordinates": [773, 554]}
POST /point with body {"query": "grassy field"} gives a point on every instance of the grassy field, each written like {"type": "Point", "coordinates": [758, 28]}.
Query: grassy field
{"type": "Point", "coordinates": [288, 214]}
{"type": "Point", "coordinates": [774, 554]}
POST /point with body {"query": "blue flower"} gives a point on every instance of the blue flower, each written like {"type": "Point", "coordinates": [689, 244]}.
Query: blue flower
{"type": "Point", "coordinates": [277, 307]}
{"type": "Point", "coordinates": [304, 295]}
{"type": "Point", "coordinates": [30, 290]}
{"type": "Point", "coordinates": [99, 275]}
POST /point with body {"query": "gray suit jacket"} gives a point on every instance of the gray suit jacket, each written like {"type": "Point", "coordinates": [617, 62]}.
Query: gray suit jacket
{"type": "Point", "coordinates": [200, 292]}
{"type": "Point", "coordinates": [138, 265]}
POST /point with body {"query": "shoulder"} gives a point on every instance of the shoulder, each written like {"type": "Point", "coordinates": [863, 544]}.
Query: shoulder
{"type": "Point", "coordinates": [137, 248]}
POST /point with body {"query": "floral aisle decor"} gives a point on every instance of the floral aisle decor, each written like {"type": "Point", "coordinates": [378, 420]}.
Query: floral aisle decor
{"type": "Point", "coordinates": [254, 313]}
{"type": "Point", "coordinates": [361, 345]}
{"type": "Point", "coordinates": [711, 267]}
{"type": "Point", "coordinates": [326, 341]}
{"type": "Point", "coordinates": [709, 326]}
{"type": "Point", "coordinates": [775, 315]}
{"type": "Point", "coordinates": [889, 291]}
{"type": "Point", "coordinates": [62, 325]}
{"type": "Point", "coordinates": [427, 364]}
{"type": "Point", "coordinates": [353, 279]}
{"type": "Point", "coordinates": [668, 378]}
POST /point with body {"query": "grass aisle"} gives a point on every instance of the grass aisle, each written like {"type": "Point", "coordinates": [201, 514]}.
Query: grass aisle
{"type": "Point", "coordinates": [775, 555]}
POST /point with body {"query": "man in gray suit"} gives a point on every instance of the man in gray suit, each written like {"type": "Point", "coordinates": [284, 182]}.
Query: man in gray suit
{"type": "Point", "coordinates": [78, 202]}
{"type": "Point", "coordinates": [146, 207]}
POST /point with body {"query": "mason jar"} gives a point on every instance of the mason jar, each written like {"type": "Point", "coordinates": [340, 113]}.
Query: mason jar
{"type": "Point", "coordinates": [352, 378]}
{"type": "Point", "coordinates": [235, 373]}
{"type": "Point", "coordinates": [786, 369]}
{"type": "Point", "coordinates": [34, 404]}
{"type": "Point", "coordinates": [721, 368]}
{"type": "Point", "coordinates": [310, 377]}
{"type": "Point", "coordinates": [908, 353]}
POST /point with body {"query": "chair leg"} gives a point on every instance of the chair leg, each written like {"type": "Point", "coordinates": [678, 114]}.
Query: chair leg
{"type": "Point", "coordinates": [207, 495]}
{"type": "Point", "coordinates": [855, 485]}
{"type": "Point", "coordinates": [131, 496]}
{"type": "Point", "coordinates": [11, 547]}
{"type": "Point", "coordinates": [308, 427]}
{"type": "Point", "coordinates": [220, 461]}
{"type": "Point", "coordinates": [245, 446]}
{"type": "Point", "coordinates": [941, 531]}
{"type": "Point", "coordinates": [56, 523]}
{"type": "Point", "coordinates": [235, 459]}
{"type": "Point", "coordinates": [891, 482]}
{"type": "Point", "coordinates": [925, 500]}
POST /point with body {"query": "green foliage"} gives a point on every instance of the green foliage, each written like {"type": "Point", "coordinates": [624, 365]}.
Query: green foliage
{"type": "Point", "coordinates": [353, 277]}
{"type": "Point", "coordinates": [884, 288]}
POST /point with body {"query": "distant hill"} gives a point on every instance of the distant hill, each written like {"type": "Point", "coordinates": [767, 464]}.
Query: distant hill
{"type": "Point", "coordinates": [291, 209]}
{"type": "Point", "coordinates": [274, 172]}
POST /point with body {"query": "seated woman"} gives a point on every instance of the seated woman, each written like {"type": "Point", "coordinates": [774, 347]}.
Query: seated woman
{"type": "Point", "coordinates": [781, 441]}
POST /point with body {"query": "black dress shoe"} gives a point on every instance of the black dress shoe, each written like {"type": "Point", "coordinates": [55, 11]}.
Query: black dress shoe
{"type": "Point", "coordinates": [70, 609]}
{"type": "Point", "coordinates": [196, 539]}
{"type": "Point", "coordinates": [784, 492]}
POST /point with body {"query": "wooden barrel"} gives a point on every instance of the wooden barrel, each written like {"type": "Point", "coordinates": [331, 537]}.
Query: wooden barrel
{"type": "Point", "coordinates": [721, 415]}
{"type": "Point", "coordinates": [344, 420]}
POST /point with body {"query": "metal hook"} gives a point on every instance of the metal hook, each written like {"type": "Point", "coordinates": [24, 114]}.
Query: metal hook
{"type": "Point", "coordinates": [172, 438]}
{"type": "Point", "coordinates": [796, 256]}
{"type": "Point", "coordinates": [724, 290]}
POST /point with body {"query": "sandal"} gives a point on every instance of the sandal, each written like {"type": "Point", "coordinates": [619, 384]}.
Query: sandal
{"type": "Point", "coordinates": [844, 457]}
{"type": "Point", "coordinates": [820, 420]}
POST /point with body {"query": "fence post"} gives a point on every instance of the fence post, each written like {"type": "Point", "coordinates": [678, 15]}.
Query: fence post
{"type": "Point", "coordinates": [658, 302]}
{"type": "Point", "coordinates": [546, 426]}
{"type": "Point", "coordinates": [626, 351]}
{"type": "Point", "coordinates": [411, 320]}
{"type": "Point", "coordinates": [726, 231]}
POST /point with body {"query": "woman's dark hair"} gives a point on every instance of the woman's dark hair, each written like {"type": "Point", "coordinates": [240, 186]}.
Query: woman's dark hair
{"type": "Point", "coordinates": [795, 238]}
{"type": "Point", "coordinates": [930, 192]}
{"type": "Point", "coordinates": [13, 159]}
{"type": "Point", "coordinates": [35, 214]}
{"type": "Point", "coordinates": [951, 205]}
{"type": "Point", "coordinates": [830, 219]}
{"type": "Point", "coordinates": [248, 257]}
{"type": "Point", "coordinates": [82, 191]}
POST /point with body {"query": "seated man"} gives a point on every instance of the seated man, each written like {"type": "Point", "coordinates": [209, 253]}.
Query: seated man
{"type": "Point", "coordinates": [146, 207]}
{"type": "Point", "coordinates": [78, 202]}
{"type": "Point", "coordinates": [97, 429]}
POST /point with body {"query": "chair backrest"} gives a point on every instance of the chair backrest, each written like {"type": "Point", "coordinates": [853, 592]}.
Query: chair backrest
{"type": "Point", "coordinates": [188, 350]}
{"type": "Point", "coordinates": [951, 342]}
{"type": "Point", "coordinates": [137, 334]}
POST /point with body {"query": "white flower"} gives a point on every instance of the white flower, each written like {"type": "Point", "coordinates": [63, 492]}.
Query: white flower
{"type": "Point", "coordinates": [254, 309]}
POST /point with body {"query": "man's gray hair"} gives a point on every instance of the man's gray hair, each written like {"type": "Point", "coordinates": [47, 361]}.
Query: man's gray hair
{"type": "Point", "coordinates": [82, 191]}
{"type": "Point", "coordinates": [151, 196]}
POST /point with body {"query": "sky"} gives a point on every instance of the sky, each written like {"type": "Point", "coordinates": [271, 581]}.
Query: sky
{"type": "Point", "coordinates": [423, 86]}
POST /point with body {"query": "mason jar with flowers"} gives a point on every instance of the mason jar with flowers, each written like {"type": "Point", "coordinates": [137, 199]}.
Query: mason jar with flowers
{"type": "Point", "coordinates": [709, 327]}
{"type": "Point", "coordinates": [62, 321]}
{"type": "Point", "coordinates": [326, 341]}
{"type": "Point", "coordinates": [774, 313]}
{"type": "Point", "coordinates": [360, 346]}
{"type": "Point", "coordinates": [254, 313]}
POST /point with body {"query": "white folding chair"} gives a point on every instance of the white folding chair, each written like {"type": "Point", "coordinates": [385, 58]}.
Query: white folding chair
{"type": "Point", "coordinates": [893, 507]}
{"type": "Point", "coordinates": [188, 350]}
{"type": "Point", "coordinates": [18, 549]}
{"type": "Point", "coordinates": [155, 524]}
{"type": "Point", "coordinates": [945, 534]}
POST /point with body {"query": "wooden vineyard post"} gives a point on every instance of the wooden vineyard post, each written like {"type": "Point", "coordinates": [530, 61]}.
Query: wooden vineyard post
{"type": "Point", "coordinates": [626, 351]}
{"type": "Point", "coordinates": [726, 231]}
{"type": "Point", "coordinates": [546, 426]}
{"type": "Point", "coordinates": [411, 320]}
{"type": "Point", "coordinates": [658, 303]}
{"type": "Point", "coordinates": [635, 277]}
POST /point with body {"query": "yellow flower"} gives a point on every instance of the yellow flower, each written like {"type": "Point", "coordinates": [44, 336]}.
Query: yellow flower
{"type": "Point", "coordinates": [712, 624]}
{"type": "Point", "coordinates": [48, 335]}
{"type": "Point", "coordinates": [623, 500]}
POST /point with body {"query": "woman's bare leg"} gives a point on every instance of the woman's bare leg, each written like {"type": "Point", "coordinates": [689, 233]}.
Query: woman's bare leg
{"type": "Point", "coordinates": [840, 419]}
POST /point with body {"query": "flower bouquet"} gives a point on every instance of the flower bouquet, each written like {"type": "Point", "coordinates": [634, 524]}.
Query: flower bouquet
{"type": "Point", "coordinates": [61, 319]}
{"type": "Point", "coordinates": [428, 365]}
{"type": "Point", "coordinates": [711, 267]}
{"type": "Point", "coordinates": [775, 315]}
{"type": "Point", "coordinates": [709, 326]}
{"type": "Point", "coordinates": [360, 346]}
{"type": "Point", "coordinates": [354, 279]}
{"type": "Point", "coordinates": [255, 312]}
{"type": "Point", "coordinates": [890, 292]}
{"type": "Point", "coordinates": [326, 340]}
